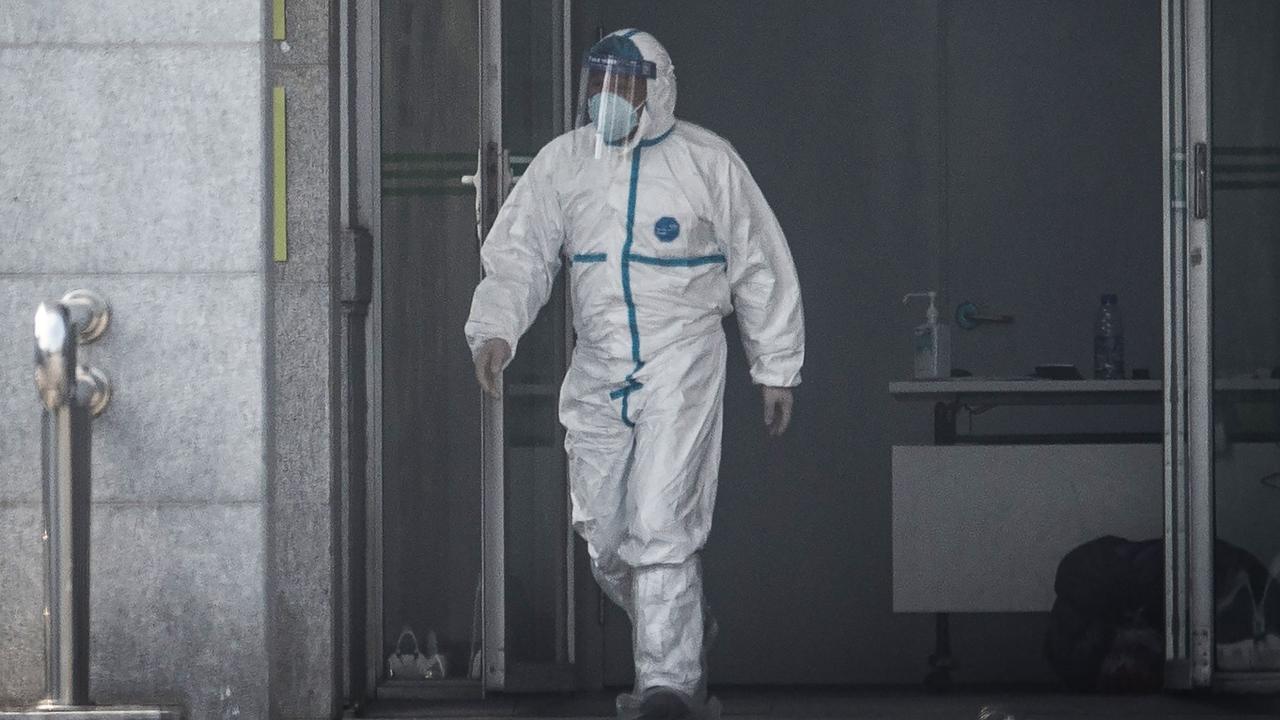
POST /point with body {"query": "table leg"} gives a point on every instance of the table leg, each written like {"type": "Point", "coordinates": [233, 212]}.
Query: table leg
{"type": "Point", "coordinates": [944, 423]}
{"type": "Point", "coordinates": [939, 678]}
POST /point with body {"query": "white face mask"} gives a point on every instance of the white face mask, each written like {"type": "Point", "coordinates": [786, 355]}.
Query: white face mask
{"type": "Point", "coordinates": [613, 116]}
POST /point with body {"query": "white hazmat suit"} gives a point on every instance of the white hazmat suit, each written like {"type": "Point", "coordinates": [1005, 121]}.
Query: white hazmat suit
{"type": "Point", "coordinates": [664, 238]}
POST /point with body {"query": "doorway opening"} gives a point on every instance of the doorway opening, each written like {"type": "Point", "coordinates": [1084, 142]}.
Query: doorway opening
{"type": "Point", "coordinates": [902, 147]}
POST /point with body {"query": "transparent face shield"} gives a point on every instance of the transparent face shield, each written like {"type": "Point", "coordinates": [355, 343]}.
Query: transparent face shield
{"type": "Point", "coordinates": [611, 101]}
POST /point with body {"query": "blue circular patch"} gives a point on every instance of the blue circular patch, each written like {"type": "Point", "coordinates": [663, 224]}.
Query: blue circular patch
{"type": "Point", "coordinates": [667, 229]}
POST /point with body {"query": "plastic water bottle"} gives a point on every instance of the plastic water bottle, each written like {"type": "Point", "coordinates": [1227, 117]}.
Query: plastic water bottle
{"type": "Point", "coordinates": [1108, 341]}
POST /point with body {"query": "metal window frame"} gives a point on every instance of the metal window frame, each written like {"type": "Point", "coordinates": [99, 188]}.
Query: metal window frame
{"type": "Point", "coordinates": [1173, 199]}
{"type": "Point", "coordinates": [1198, 268]}
{"type": "Point", "coordinates": [1188, 446]}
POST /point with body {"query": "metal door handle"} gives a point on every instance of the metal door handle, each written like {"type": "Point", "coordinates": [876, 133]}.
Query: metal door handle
{"type": "Point", "coordinates": [968, 317]}
{"type": "Point", "coordinates": [492, 181]}
{"type": "Point", "coordinates": [1201, 181]}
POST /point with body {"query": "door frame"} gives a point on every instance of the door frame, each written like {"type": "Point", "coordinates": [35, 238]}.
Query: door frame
{"type": "Point", "coordinates": [495, 177]}
{"type": "Point", "coordinates": [492, 178]}
{"type": "Point", "coordinates": [1188, 472]}
{"type": "Point", "coordinates": [1198, 264]}
{"type": "Point", "coordinates": [359, 142]}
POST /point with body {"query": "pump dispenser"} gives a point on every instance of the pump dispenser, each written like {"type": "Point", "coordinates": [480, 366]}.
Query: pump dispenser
{"type": "Point", "coordinates": [931, 342]}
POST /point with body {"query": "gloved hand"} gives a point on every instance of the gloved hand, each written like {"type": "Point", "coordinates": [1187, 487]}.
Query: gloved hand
{"type": "Point", "coordinates": [778, 402]}
{"type": "Point", "coordinates": [490, 361]}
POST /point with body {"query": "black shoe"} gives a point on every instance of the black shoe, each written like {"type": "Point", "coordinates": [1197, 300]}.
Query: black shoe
{"type": "Point", "coordinates": [663, 704]}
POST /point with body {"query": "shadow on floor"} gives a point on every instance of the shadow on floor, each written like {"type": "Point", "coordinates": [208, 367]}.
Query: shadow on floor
{"type": "Point", "coordinates": [868, 703]}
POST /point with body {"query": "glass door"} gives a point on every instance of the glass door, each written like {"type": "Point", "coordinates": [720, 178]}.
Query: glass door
{"type": "Point", "coordinates": [1223, 272]}
{"type": "Point", "coordinates": [1244, 264]}
{"type": "Point", "coordinates": [425, 501]}
{"type": "Point", "coordinates": [469, 537]}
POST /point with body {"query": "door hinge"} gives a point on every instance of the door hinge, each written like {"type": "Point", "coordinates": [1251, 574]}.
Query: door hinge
{"type": "Point", "coordinates": [355, 266]}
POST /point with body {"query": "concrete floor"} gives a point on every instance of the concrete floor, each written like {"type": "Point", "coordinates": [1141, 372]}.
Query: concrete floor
{"type": "Point", "coordinates": [880, 704]}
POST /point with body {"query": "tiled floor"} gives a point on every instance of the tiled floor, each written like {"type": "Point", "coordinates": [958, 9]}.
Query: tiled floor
{"type": "Point", "coordinates": [878, 704]}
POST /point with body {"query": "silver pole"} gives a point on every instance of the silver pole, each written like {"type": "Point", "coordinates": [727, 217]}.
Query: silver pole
{"type": "Point", "coordinates": [66, 535]}
{"type": "Point", "coordinates": [71, 396]}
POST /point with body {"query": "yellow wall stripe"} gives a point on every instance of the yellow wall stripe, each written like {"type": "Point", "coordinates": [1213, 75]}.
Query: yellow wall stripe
{"type": "Point", "coordinates": [278, 185]}
{"type": "Point", "coordinates": [277, 19]}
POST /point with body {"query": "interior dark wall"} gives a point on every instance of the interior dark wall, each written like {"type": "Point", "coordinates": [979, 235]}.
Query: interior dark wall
{"type": "Point", "coordinates": [1053, 155]}
{"type": "Point", "coordinates": [1010, 149]}
{"type": "Point", "coordinates": [1053, 190]}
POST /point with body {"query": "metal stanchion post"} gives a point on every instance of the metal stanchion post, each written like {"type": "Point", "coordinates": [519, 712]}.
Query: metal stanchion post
{"type": "Point", "coordinates": [66, 390]}
{"type": "Point", "coordinates": [72, 395]}
{"type": "Point", "coordinates": [66, 553]}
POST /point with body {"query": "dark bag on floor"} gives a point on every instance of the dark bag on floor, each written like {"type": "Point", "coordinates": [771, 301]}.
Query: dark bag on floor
{"type": "Point", "coordinates": [1106, 629]}
{"type": "Point", "coordinates": [1109, 589]}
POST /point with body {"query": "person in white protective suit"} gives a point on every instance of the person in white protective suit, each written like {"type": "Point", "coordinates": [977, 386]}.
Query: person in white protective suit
{"type": "Point", "coordinates": [666, 233]}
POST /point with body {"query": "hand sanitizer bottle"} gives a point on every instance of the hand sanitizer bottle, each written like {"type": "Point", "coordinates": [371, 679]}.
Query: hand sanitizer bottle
{"type": "Point", "coordinates": [931, 342]}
